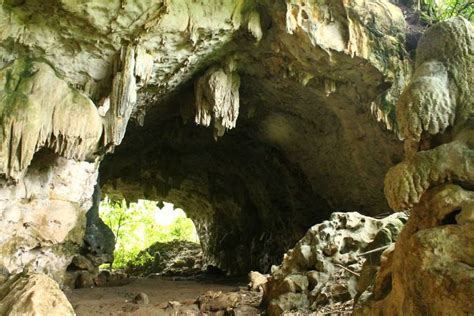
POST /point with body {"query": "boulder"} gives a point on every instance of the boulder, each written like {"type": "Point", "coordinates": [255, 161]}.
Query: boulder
{"type": "Point", "coordinates": [312, 277]}
{"type": "Point", "coordinates": [33, 294]}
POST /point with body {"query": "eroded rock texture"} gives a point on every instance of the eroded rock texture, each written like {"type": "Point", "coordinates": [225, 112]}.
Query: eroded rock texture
{"type": "Point", "coordinates": [293, 84]}
{"type": "Point", "coordinates": [430, 270]}
{"type": "Point", "coordinates": [33, 294]}
{"type": "Point", "coordinates": [323, 267]}
{"type": "Point", "coordinates": [43, 216]}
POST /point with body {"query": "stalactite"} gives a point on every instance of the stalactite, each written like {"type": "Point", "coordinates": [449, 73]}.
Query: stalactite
{"type": "Point", "coordinates": [40, 110]}
{"type": "Point", "coordinates": [217, 99]}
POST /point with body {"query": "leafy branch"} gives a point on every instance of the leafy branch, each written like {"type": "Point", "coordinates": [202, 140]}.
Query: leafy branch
{"type": "Point", "coordinates": [433, 11]}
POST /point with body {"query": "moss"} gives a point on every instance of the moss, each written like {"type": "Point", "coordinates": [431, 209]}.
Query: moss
{"type": "Point", "coordinates": [13, 99]}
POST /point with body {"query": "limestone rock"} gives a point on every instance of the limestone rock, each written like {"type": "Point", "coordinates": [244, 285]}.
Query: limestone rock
{"type": "Point", "coordinates": [429, 271]}
{"type": "Point", "coordinates": [33, 294]}
{"type": "Point", "coordinates": [309, 278]}
{"type": "Point", "coordinates": [99, 240]}
{"type": "Point", "coordinates": [257, 280]}
{"type": "Point", "coordinates": [439, 96]}
{"type": "Point", "coordinates": [217, 301]}
{"type": "Point", "coordinates": [40, 110]}
{"type": "Point", "coordinates": [46, 210]}
{"type": "Point", "coordinates": [217, 99]}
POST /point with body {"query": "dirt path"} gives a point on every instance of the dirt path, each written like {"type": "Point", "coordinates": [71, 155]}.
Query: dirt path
{"type": "Point", "coordinates": [118, 300]}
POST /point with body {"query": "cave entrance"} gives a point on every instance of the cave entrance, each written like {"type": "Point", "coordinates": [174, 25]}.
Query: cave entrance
{"type": "Point", "coordinates": [152, 238]}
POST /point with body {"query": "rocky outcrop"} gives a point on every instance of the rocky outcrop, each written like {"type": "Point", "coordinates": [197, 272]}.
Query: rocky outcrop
{"type": "Point", "coordinates": [323, 268]}
{"type": "Point", "coordinates": [33, 294]}
{"type": "Point", "coordinates": [43, 216]}
{"type": "Point", "coordinates": [97, 248]}
{"type": "Point", "coordinates": [430, 270]}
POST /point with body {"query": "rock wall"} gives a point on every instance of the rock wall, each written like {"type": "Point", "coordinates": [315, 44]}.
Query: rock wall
{"type": "Point", "coordinates": [299, 80]}
{"type": "Point", "coordinates": [43, 215]}
{"type": "Point", "coordinates": [430, 270]}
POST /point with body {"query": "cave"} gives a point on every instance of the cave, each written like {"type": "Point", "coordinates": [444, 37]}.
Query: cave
{"type": "Point", "coordinates": [288, 131]}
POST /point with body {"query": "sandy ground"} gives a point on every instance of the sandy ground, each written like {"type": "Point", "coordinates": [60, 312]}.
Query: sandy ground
{"type": "Point", "coordinates": [118, 300]}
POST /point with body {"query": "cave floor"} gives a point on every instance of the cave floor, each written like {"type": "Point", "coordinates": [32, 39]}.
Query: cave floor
{"type": "Point", "coordinates": [163, 293]}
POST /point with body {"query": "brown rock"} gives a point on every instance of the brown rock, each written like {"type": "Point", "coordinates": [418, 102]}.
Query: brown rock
{"type": "Point", "coordinates": [33, 294]}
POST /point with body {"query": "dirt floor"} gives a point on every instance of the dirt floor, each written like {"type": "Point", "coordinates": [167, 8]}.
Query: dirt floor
{"type": "Point", "coordinates": [119, 300]}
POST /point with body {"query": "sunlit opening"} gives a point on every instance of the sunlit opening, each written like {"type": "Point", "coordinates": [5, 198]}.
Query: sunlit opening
{"type": "Point", "coordinates": [138, 226]}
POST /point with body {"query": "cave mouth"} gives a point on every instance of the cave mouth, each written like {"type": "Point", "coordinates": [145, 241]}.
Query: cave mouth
{"type": "Point", "coordinates": [151, 238]}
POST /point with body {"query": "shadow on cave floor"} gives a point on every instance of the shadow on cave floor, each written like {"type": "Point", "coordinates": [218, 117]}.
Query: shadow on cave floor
{"type": "Point", "coordinates": [162, 297]}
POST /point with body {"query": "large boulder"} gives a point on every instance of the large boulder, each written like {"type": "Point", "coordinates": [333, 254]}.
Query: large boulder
{"type": "Point", "coordinates": [33, 294]}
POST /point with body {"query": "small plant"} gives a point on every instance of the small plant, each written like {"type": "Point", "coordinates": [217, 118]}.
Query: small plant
{"type": "Point", "coordinates": [138, 225]}
{"type": "Point", "coordinates": [433, 11]}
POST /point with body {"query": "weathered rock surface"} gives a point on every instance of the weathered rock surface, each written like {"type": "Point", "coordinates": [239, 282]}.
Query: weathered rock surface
{"type": "Point", "coordinates": [42, 217]}
{"type": "Point", "coordinates": [33, 294]}
{"type": "Point", "coordinates": [430, 270]}
{"type": "Point", "coordinates": [323, 268]}
{"type": "Point", "coordinates": [97, 248]}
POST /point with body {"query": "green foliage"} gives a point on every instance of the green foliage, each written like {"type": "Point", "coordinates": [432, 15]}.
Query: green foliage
{"type": "Point", "coordinates": [177, 257]}
{"type": "Point", "coordinates": [135, 228]}
{"type": "Point", "coordinates": [440, 10]}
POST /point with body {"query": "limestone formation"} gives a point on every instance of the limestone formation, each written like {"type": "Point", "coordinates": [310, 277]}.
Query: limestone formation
{"type": "Point", "coordinates": [97, 249]}
{"type": "Point", "coordinates": [46, 210]}
{"type": "Point", "coordinates": [430, 270]}
{"type": "Point", "coordinates": [41, 111]}
{"type": "Point", "coordinates": [217, 99]}
{"type": "Point", "coordinates": [323, 267]}
{"type": "Point", "coordinates": [293, 83]}
{"type": "Point", "coordinates": [69, 82]}
{"type": "Point", "coordinates": [439, 96]}
{"type": "Point", "coordinates": [33, 294]}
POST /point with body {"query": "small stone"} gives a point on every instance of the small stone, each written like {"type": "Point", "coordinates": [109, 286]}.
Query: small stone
{"type": "Point", "coordinates": [297, 283]}
{"type": "Point", "coordinates": [102, 279]}
{"type": "Point", "coordinates": [257, 280]}
{"type": "Point", "coordinates": [141, 299]}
